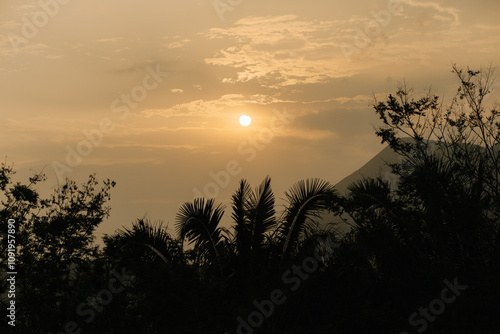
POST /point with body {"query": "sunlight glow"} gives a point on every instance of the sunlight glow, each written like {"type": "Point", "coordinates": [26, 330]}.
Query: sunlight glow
{"type": "Point", "coordinates": [245, 120]}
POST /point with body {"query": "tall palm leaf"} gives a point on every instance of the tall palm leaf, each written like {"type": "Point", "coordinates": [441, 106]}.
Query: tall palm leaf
{"type": "Point", "coordinates": [261, 213]}
{"type": "Point", "coordinates": [198, 222]}
{"type": "Point", "coordinates": [240, 217]}
{"type": "Point", "coordinates": [305, 201]}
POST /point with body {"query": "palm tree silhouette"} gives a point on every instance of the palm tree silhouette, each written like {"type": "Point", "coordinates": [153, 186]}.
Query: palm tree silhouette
{"type": "Point", "coordinates": [260, 239]}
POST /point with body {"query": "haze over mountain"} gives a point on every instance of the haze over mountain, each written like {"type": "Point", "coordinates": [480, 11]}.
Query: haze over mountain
{"type": "Point", "coordinates": [375, 167]}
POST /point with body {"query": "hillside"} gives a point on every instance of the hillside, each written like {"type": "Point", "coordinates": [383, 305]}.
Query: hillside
{"type": "Point", "coordinates": [376, 166]}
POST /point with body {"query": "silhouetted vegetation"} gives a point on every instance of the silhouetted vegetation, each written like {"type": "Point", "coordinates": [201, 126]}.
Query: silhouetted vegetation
{"type": "Point", "coordinates": [408, 242]}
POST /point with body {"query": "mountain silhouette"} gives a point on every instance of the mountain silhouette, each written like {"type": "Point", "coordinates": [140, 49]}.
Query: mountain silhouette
{"type": "Point", "coordinates": [376, 166]}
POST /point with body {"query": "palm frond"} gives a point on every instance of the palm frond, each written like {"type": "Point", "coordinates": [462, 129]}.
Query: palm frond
{"type": "Point", "coordinates": [306, 199]}
{"type": "Point", "coordinates": [370, 192]}
{"type": "Point", "coordinates": [197, 222]}
{"type": "Point", "coordinates": [240, 217]}
{"type": "Point", "coordinates": [261, 212]}
{"type": "Point", "coordinates": [153, 236]}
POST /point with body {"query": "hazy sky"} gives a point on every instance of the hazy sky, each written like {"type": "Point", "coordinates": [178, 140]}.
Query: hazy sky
{"type": "Point", "coordinates": [149, 93]}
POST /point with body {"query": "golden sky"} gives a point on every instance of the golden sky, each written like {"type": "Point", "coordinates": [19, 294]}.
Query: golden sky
{"type": "Point", "coordinates": [149, 93]}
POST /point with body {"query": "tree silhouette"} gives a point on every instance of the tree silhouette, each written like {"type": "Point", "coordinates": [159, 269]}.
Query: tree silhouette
{"type": "Point", "coordinates": [55, 245]}
{"type": "Point", "coordinates": [443, 218]}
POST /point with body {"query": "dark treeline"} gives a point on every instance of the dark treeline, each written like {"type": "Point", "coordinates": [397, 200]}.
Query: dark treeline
{"type": "Point", "coordinates": [422, 255]}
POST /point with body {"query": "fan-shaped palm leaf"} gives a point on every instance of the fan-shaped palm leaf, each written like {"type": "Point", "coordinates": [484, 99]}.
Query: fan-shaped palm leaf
{"type": "Point", "coordinates": [198, 222]}
{"type": "Point", "coordinates": [370, 193]}
{"type": "Point", "coordinates": [152, 236]}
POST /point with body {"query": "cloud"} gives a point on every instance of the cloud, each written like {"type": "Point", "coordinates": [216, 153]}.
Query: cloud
{"type": "Point", "coordinates": [287, 50]}
{"type": "Point", "coordinates": [210, 108]}
{"type": "Point", "coordinates": [487, 27]}
{"type": "Point", "coordinates": [149, 146]}
{"type": "Point", "coordinates": [10, 24]}
{"type": "Point", "coordinates": [445, 13]}
{"type": "Point", "coordinates": [109, 40]}
{"type": "Point", "coordinates": [178, 44]}
{"type": "Point", "coordinates": [308, 134]}
{"type": "Point", "coordinates": [280, 51]}
{"type": "Point", "coordinates": [26, 7]}
{"type": "Point", "coordinates": [343, 99]}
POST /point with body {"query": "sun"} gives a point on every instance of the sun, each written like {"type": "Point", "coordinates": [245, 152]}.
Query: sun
{"type": "Point", "coordinates": [245, 120]}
